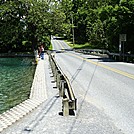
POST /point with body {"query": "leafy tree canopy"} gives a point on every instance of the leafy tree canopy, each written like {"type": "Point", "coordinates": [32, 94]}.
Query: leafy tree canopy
{"type": "Point", "coordinates": [25, 23]}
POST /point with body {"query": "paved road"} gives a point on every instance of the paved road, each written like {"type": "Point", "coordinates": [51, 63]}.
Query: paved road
{"type": "Point", "coordinates": [107, 85]}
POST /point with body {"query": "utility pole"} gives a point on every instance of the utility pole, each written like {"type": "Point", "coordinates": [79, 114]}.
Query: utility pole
{"type": "Point", "coordinates": [73, 29]}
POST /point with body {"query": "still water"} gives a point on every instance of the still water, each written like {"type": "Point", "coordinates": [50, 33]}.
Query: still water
{"type": "Point", "coordinates": [16, 76]}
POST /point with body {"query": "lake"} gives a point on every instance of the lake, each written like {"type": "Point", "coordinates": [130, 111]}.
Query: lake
{"type": "Point", "coordinates": [16, 77]}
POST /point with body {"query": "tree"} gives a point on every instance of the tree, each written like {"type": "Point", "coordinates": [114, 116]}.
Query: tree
{"type": "Point", "coordinates": [10, 25]}
{"type": "Point", "coordinates": [23, 21]}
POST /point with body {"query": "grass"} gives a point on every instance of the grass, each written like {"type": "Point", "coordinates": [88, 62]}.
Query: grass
{"type": "Point", "coordinates": [75, 46]}
{"type": "Point", "coordinates": [79, 46]}
{"type": "Point", "coordinates": [50, 47]}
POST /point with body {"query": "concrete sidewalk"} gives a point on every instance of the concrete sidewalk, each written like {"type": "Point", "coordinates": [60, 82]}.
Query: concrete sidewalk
{"type": "Point", "coordinates": [46, 119]}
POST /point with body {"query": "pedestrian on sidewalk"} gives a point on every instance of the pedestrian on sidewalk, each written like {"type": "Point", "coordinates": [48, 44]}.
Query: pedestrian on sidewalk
{"type": "Point", "coordinates": [42, 52]}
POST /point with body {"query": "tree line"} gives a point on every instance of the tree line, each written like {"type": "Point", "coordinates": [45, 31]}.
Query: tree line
{"type": "Point", "coordinates": [25, 23]}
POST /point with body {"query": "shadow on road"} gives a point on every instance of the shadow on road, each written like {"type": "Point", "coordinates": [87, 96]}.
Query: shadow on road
{"type": "Point", "coordinates": [102, 59]}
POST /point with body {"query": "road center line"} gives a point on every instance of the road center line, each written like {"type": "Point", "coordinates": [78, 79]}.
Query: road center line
{"type": "Point", "coordinates": [60, 45]}
{"type": "Point", "coordinates": [101, 65]}
{"type": "Point", "coordinates": [104, 66]}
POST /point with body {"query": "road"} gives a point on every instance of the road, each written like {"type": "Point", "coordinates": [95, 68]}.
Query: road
{"type": "Point", "coordinates": [107, 85]}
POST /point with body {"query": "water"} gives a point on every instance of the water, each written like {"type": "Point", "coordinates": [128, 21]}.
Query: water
{"type": "Point", "coordinates": [16, 77]}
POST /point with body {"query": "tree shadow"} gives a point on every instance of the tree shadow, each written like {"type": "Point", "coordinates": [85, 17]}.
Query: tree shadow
{"type": "Point", "coordinates": [102, 59]}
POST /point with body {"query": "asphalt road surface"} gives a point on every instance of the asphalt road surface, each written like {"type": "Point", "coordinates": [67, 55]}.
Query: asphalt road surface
{"type": "Point", "coordinates": [106, 84]}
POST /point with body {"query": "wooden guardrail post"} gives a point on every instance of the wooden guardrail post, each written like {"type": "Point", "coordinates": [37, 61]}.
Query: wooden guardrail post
{"type": "Point", "coordinates": [62, 88]}
{"type": "Point", "coordinates": [65, 105]}
{"type": "Point", "coordinates": [58, 75]}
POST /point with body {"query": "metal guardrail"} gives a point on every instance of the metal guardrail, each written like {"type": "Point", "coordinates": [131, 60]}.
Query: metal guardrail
{"type": "Point", "coordinates": [107, 54]}
{"type": "Point", "coordinates": [122, 57]}
{"type": "Point", "coordinates": [97, 52]}
{"type": "Point", "coordinates": [69, 102]}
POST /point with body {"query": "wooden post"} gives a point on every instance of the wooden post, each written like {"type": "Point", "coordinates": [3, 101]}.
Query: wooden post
{"type": "Point", "coordinates": [62, 88]}
{"type": "Point", "coordinates": [65, 107]}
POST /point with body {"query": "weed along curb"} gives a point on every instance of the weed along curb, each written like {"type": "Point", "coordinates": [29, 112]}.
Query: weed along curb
{"type": "Point", "coordinates": [69, 102]}
{"type": "Point", "coordinates": [37, 97]}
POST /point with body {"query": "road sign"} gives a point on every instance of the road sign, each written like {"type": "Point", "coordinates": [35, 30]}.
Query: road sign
{"type": "Point", "coordinates": [120, 47]}
{"type": "Point", "coordinates": [122, 37]}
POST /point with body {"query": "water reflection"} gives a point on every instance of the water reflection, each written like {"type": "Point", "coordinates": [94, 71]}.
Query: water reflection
{"type": "Point", "coordinates": [16, 76]}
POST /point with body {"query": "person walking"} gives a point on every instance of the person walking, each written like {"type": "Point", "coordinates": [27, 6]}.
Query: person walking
{"type": "Point", "coordinates": [42, 52]}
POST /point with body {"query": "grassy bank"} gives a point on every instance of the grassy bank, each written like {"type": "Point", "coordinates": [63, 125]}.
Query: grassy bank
{"type": "Point", "coordinates": [79, 46]}
{"type": "Point", "coordinates": [50, 47]}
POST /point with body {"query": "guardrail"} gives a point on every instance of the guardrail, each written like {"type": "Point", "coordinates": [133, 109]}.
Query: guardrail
{"type": "Point", "coordinates": [97, 52]}
{"type": "Point", "coordinates": [69, 102]}
{"type": "Point", "coordinates": [122, 57]}
{"type": "Point", "coordinates": [106, 54]}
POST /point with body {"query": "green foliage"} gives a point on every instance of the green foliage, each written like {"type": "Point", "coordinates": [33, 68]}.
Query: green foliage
{"type": "Point", "coordinates": [23, 20]}
{"type": "Point", "coordinates": [25, 23]}
{"type": "Point", "coordinates": [80, 46]}
{"type": "Point", "coordinates": [101, 22]}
